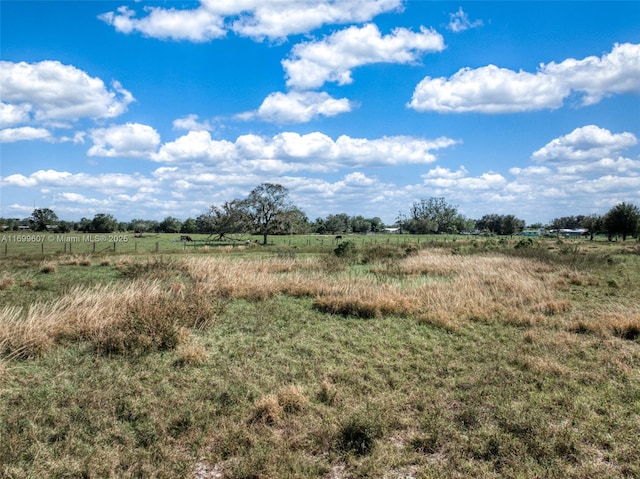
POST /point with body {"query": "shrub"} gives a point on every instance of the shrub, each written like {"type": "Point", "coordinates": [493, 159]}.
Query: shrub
{"type": "Point", "coordinates": [524, 243]}
{"type": "Point", "coordinates": [346, 249]}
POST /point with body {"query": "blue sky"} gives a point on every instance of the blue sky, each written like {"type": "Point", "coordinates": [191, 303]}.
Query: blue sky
{"type": "Point", "coordinates": [156, 109]}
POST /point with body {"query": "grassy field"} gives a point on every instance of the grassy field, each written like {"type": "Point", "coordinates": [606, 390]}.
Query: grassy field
{"type": "Point", "coordinates": [466, 358]}
{"type": "Point", "coordinates": [40, 245]}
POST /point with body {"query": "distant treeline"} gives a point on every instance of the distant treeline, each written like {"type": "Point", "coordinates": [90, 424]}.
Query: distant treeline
{"type": "Point", "coordinates": [427, 216]}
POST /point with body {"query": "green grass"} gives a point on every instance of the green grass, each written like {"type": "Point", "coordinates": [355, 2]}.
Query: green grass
{"type": "Point", "coordinates": [33, 244]}
{"type": "Point", "coordinates": [274, 387]}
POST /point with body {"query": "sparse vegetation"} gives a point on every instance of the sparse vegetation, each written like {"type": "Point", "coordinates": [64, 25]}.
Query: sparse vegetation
{"type": "Point", "coordinates": [467, 359]}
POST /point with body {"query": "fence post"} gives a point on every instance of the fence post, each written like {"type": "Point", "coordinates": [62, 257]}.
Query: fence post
{"type": "Point", "coordinates": [157, 246]}
{"type": "Point", "coordinates": [42, 247]}
{"type": "Point", "coordinates": [114, 246]}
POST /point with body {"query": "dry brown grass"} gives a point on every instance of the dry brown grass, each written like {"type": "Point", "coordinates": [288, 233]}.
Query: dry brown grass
{"type": "Point", "coordinates": [84, 260]}
{"type": "Point", "coordinates": [543, 365]}
{"type": "Point", "coordinates": [48, 267]}
{"type": "Point", "coordinates": [434, 285]}
{"type": "Point", "coordinates": [4, 370]}
{"type": "Point", "coordinates": [272, 408]}
{"type": "Point", "coordinates": [608, 319]}
{"type": "Point", "coordinates": [7, 282]}
{"type": "Point", "coordinates": [191, 354]}
{"type": "Point", "coordinates": [138, 317]}
{"type": "Point", "coordinates": [268, 410]}
{"type": "Point", "coordinates": [292, 399]}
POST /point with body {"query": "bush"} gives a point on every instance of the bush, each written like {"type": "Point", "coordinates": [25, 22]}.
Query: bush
{"type": "Point", "coordinates": [346, 249]}
{"type": "Point", "coordinates": [524, 243]}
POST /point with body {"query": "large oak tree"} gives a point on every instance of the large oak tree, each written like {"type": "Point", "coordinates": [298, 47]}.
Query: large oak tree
{"type": "Point", "coordinates": [269, 210]}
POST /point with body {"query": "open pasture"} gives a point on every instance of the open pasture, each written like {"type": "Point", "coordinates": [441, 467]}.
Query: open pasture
{"type": "Point", "coordinates": [43, 244]}
{"type": "Point", "coordinates": [466, 358]}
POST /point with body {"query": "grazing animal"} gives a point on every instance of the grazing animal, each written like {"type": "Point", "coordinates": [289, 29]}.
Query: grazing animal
{"type": "Point", "coordinates": [185, 238]}
{"type": "Point", "coordinates": [338, 238]}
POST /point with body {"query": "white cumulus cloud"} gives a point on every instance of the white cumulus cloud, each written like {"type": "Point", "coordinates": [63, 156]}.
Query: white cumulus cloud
{"type": "Point", "coordinates": [616, 72]}
{"type": "Point", "coordinates": [586, 143]}
{"type": "Point", "coordinates": [459, 21]}
{"type": "Point", "coordinates": [50, 91]}
{"type": "Point", "coordinates": [256, 19]}
{"type": "Point", "coordinates": [333, 58]}
{"type": "Point", "coordinates": [105, 183]}
{"type": "Point", "coordinates": [298, 107]}
{"type": "Point", "coordinates": [191, 123]}
{"type": "Point", "coordinates": [291, 151]}
{"type": "Point", "coordinates": [128, 140]}
{"type": "Point", "coordinates": [13, 114]}
{"type": "Point", "coordinates": [10, 135]}
{"type": "Point", "coordinates": [491, 89]}
{"type": "Point", "coordinates": [196, 25]}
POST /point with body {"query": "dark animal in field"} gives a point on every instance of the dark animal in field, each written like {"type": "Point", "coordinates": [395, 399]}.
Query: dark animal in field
{"type": "Point", "coordinates": [185, 238]}
{"type": "Point", "coordinates": [338, 238]}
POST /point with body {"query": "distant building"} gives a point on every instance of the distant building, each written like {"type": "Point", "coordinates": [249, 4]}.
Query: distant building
{"type": "Point", "coordinates": [391, 230]}
{"type": "Point", "coordinates": [572, 233]}
{"type": "Point", "coordinates": [534, 232]}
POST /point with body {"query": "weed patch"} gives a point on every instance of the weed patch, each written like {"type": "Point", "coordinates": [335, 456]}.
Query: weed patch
{"type": "Point", "coordinates": [358, 433]}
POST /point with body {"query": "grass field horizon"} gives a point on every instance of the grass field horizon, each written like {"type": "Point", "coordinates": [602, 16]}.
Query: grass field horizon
{"type": "Point", "coordinates": [457, 357]}
{"type": "Point", "coordinates": [43, 244]}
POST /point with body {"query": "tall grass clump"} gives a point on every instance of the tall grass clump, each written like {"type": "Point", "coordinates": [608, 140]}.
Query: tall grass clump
{"type": "Point", "coordinates": [7, 282]}
{"type": "Point", "coordinates": [48, 267]}
{"type": "Point", "coordinates": [358, 433]}
{"type": "Point", "coordinates": [136, 318]}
